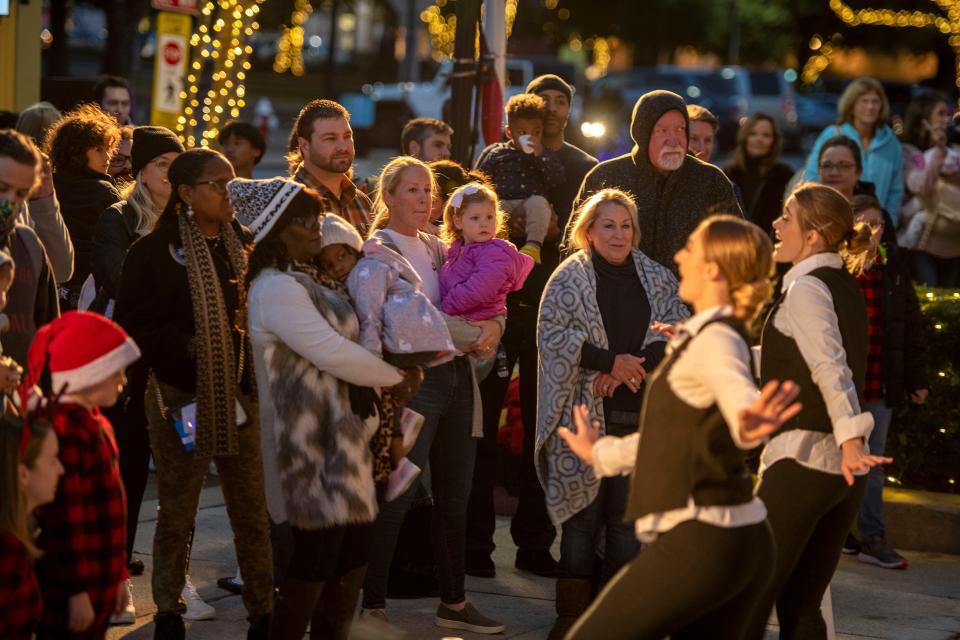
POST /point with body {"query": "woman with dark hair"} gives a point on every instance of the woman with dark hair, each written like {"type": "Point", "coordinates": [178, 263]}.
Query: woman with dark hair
{"type": "Point", "coordinates": [839, 165]}
{"type": "Point", "coordinates": [316, 442]}
{"type": "Point", "coordinates": [757, 170]}
{"type": "Point", "coordinates": [862, 114]}
{"type": "Point", "coordinates": [930, 227]}
{"type": "Point", "coordinates": [180, 297]}
{"type": "Point", "coordinates": [80, 146]}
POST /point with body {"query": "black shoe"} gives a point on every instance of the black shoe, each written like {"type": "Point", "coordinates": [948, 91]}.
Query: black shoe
{"type": "Point", "coordinates": [230, 584]}
{"type": "Point", "coordinates": [851, 545]}
{"type": "Point", "coordinates": [259, 630]}
{"type": "Point", "coordinates": [536, 561]}
{"type": "Point", "coordinates": [877, 551]}
{"type": "Point", "coordinates": [479, 565]}
{"type": "Point", "coordinates": [135, 567]}
{"type": "Point", "coordinates": [168, 626]}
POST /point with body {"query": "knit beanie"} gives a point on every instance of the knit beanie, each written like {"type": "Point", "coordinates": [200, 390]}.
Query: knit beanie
{"type": "Point", "coordinates": [150, 142]}
{"type": "Point", "coordinates": [258, 204]}
{"type": "Point", "coordinates": [549, 81]}
{"type": "Point", "coordinates": [336, 230]}
{"type": "Point", "coordinates": [81, 349]}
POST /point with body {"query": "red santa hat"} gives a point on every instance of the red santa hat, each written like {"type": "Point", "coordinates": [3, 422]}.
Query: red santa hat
{"type": "Point", "coordinates": [81, 349]}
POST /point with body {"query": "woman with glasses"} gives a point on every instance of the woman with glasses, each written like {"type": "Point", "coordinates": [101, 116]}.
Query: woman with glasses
{"type": "Point", "coordinates": [154, 148]}
{"type": "Point", "coordinates": [181, 298]}
{"type": "Point", "coordinates": [316, 441]}
{"type": "Point", "coordinates": [120, 169]}
{"type": "Point", "coordinates": [862, 115]}
{"type": "Point", "coordinates": [839, 165]}
{"type": "Point", "coordinates": [80, 146]}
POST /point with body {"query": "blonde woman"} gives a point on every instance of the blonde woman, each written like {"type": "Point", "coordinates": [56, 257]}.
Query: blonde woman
{"type": "Point", "coordinates": [452, 422]}
{"type": "Point", "coordinates": [862, 113]}
{"type": "Point", "coordinates": [691, 495]}
{"type": "Point", "coordinates": [596, 347]}
{"type": "Point", "coordinates": [813, 473]}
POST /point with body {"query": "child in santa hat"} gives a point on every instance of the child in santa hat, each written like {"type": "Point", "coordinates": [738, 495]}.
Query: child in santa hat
{"type": "Point", "coordinates": [79, 360]}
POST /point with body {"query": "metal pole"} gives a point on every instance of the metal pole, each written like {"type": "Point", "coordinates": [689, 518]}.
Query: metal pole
{"type": "Point", "coordinates": [733, 42]}
{"type": "Point", "coordinates": [463, 80]}
{"type": "Point", "coordinates": [330, 80]}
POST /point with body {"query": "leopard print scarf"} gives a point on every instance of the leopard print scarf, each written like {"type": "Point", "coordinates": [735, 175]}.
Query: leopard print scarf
{"type": "Point", "coordinates": [219, 369]}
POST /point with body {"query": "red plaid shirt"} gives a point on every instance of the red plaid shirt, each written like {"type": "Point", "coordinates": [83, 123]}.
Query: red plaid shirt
{"type": "Point", "coordinates": [83, 532]}
{"type": "Point", "coordinates": [20, 603]}
{"type": "Point", "coordinates": [353, 205]}
{"type": "Point", "coordinates": [871, 284]}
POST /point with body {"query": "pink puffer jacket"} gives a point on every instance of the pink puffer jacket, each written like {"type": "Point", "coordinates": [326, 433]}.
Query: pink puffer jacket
{"type": "Point", "coordinates": [476, 278]}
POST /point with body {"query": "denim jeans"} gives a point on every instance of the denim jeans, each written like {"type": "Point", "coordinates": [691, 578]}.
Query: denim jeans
{"type": "Point", "coordinates": [870, 520]}
{"type": "Point", "coordinates": [445, 399]}
{"type": "Point", "coordinates": [580, 534]}
{"type": "Point", "coordinates": [932, 271]}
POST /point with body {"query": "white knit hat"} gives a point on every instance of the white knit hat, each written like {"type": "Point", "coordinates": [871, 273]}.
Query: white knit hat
{"type": "Point", "coordinates": [260, 203]}
{"type": "Point", "coordinates": [336, 230]}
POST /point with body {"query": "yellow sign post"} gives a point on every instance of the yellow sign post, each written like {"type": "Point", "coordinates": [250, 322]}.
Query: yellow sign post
{"type": "Point", "coordinates": [170, 63]}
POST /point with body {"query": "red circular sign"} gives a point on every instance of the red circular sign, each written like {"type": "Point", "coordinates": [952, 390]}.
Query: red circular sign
{"type": "Point", "coordinates": [172, 54]}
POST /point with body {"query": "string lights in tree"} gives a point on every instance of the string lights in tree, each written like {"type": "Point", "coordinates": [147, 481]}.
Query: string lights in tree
{"type": "Point", "coordinates": [443, 27]}
{"type": "Point", "coordinates": [948, 25]}
{"type": "Point", "coordinates": [219, 63]}
{"type": "Point", "coordinates": [290, 47]}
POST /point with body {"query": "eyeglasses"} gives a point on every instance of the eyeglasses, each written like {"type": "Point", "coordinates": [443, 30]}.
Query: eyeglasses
{"type": "Point", "coordinates": [120, 160]}
{"type": "Point", "coordinates": [160, 163]}
{"type": "Point", "coordinates": [219, 185]}
{"type": "Point", "coordinates": [311, 223]}
{"type": "Point", "coordinates": [830, 167]}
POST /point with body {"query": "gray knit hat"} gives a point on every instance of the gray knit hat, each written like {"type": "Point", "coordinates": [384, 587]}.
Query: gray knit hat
{"type": "Point", "coordinates": [550, 81]}
{"type": "Point", "coordinates": [260, 203]}
{"type": "Point", "coordinates": [336, 230]}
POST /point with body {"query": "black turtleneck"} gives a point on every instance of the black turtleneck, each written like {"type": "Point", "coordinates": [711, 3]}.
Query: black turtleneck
{"type": "Point", "coordinates": [625, 313]}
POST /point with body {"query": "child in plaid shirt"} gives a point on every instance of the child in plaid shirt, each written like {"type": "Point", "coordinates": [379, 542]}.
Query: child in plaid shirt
{"type": "Point", "coordinates": [29, 471]}
{"type": "Point", "coordinates": [80, 358]}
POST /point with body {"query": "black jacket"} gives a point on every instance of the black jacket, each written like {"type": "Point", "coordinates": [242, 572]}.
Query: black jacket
{"type": "Point", "coordinates": [83, 196]}
{"type": "Point", "coordinates": [762, 195]}
{"type": "Point", "coordinates": [113, 234]}
{"type": "Point", "coordinates": [904, 344]}
{"type": "Point", "coordinates": [155, 306]}
{"type": "Point", "coordinates": [669, 206]}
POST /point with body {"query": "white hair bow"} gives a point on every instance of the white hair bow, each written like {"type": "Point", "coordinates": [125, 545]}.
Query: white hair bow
{"type": "Point", "coordinates": [457, 199]}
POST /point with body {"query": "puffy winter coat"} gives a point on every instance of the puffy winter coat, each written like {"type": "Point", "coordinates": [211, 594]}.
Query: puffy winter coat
{"type": "Point", "coordinates": [476, 278]}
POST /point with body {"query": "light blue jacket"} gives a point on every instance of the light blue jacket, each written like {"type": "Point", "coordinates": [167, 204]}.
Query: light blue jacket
{"type": "Point", "coordinates": [882, 164]}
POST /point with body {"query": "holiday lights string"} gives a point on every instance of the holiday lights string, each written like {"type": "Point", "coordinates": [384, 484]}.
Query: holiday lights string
{"type": "Point", "coordinates": [442, 28]}
{"type": "Point", "coordinates": [220, 52]}
{"type": "Point", "coordinates": [949, 25]}
{"type": "Point", "coordinates": [290, 47]}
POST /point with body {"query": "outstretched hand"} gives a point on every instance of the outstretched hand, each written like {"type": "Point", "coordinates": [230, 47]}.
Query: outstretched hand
{"type": "Point", "coordinates": [856, 459]}
{"type": "Point", "coordinates": [588, 432]}
{"type": "Point", "coordinates": [769, 411]}
{"type": "Point", "coordinates": [664, 329]}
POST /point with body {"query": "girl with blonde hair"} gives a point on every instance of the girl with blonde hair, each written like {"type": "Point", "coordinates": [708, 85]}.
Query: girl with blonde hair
{"type": "Point", "coordinates": [691, 494]}
{"type": "Point", "coordinates": [813, 473]}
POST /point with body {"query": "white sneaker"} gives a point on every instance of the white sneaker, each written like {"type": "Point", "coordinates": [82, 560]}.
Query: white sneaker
{"type": "Point", "coordinates": [128, 615]}
{"type": "Point", "coordinates": [401, 478]}
{"type": "Point", "coordinates": [197, 609]}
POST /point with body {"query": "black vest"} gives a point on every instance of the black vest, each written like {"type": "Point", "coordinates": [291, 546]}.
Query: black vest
{"type": "Point", "coordinates": [685, 451]}
{"type": "Point", "coordinates": [781, 358]}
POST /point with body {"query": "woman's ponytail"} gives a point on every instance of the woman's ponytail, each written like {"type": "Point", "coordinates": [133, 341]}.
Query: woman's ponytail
{"type": "Point", "coordinates": [855, 248]}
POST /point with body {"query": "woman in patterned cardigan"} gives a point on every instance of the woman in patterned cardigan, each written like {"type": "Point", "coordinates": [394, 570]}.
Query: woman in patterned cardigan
{"type": "Point", "coordinates": [593, 352]}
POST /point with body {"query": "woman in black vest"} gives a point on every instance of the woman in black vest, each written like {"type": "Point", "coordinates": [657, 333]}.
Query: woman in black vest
{"type": "Point", "coordinates": [813, 473]}
{"type": "Point", "coordinates": [691, 493]}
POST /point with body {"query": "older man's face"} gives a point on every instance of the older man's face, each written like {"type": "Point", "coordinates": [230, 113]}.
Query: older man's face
{"type": "Point", "coordinates": [668, 142]}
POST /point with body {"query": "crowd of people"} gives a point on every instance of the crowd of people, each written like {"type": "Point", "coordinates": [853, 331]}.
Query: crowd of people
{"type": "Point", "coordinates": [341, 352]}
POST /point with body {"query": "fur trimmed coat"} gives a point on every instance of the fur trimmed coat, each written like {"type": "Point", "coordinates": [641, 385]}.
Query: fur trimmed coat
{"type": "Point", "coordinates": [318, 468]}
{"type": "Point", "coordinates": [569, 318]}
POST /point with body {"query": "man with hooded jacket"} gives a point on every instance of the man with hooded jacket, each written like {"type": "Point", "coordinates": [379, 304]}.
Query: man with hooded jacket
{"type": "Point", "coordinates": [673, 191]}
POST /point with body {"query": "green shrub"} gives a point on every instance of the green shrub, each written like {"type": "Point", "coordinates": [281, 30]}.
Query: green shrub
{"type": "Point", "coordinates": [925, 440]}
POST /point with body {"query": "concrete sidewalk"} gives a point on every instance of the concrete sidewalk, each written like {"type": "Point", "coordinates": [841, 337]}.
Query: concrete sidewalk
{"type": "Point", "coordinates": [921, 603]}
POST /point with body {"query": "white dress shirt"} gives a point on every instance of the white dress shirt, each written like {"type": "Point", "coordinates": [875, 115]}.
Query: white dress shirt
{"type": "Point", "coordinates": [713, 369]}
{"type": "Point", "coordinates": [807, 315]}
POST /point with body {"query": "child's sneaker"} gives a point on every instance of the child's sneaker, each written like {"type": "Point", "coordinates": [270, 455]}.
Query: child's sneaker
{"type": "Point", "coordinates": [197, 609]}
{"type": "Point", "coordinates": [401, 479]}
{"type": "Point", "coordinates": [129, 614]}
{"type": "Point", "coordinates": [411, 423]}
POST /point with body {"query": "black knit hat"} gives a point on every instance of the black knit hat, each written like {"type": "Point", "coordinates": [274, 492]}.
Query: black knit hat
{"type": "Point", "coordinates": [549, 81]}
{"type": "Point", "coordinates": [150, 142]}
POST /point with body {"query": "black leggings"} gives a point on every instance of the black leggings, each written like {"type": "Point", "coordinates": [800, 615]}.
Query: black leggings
{"type": "Point", "coordinates": [695, 581]}
{"type": "Point", "coordinates": [811, 513]}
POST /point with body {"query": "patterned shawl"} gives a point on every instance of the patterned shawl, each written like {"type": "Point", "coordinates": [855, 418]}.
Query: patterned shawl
{"type": "Point", "coordinates": [569, 318]}
{"type": "Point", "coordinates": [219, 369]}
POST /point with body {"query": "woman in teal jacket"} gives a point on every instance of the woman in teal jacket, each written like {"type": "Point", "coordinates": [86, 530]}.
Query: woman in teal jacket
{"type": "Point", "coordinates": [863, 111]}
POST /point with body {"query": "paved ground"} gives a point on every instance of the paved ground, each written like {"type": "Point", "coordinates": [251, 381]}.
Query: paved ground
{"type": "Point", "coordinates": [922, 603]}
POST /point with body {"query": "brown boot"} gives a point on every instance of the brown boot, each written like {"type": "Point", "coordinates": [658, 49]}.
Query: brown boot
{"type": "Point", "coordinates": [293, 607]}
{"type": "Point", "coordinates": [333, 615]}
{"type": "Point", "coordinates": [573, 598]}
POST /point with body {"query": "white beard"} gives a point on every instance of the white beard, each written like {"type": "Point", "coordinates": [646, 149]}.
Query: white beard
{"type": "Point", "coordinates": [671, 158]}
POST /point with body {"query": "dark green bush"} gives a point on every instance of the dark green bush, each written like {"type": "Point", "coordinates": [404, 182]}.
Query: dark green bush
{"type": "Point", "coordinates": [925, 440]}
